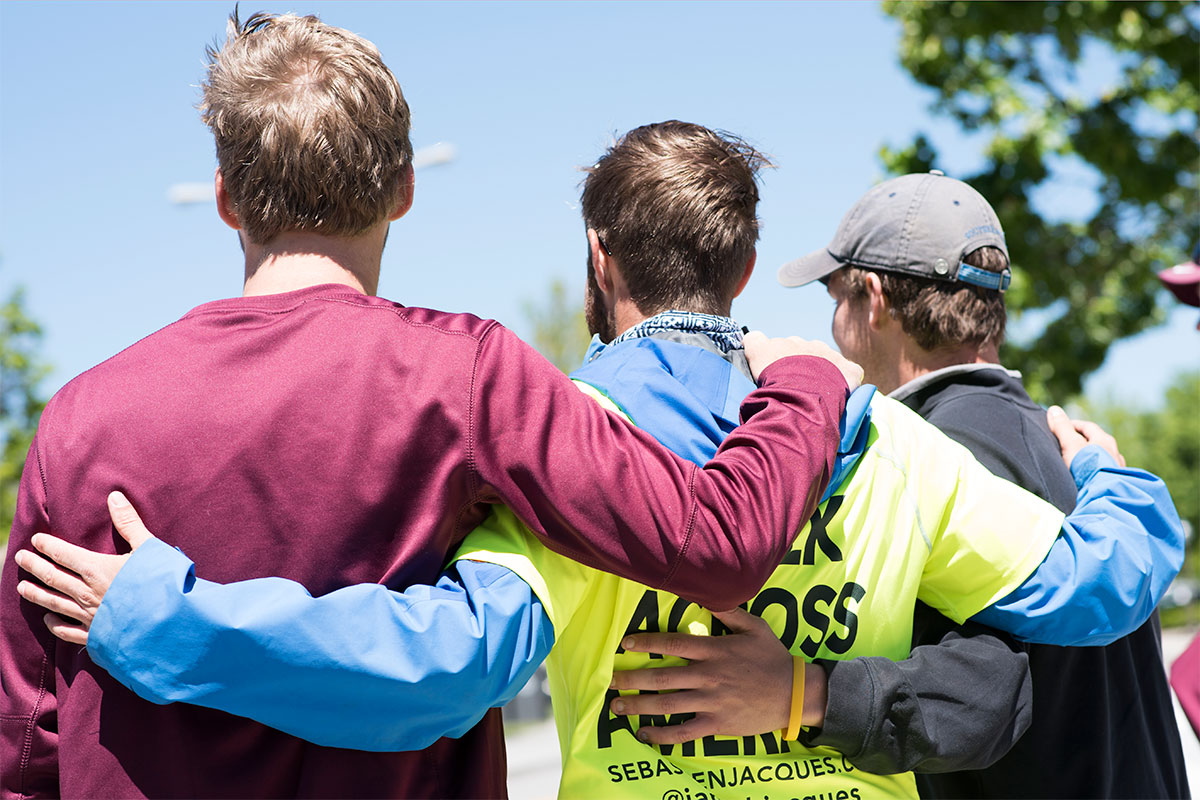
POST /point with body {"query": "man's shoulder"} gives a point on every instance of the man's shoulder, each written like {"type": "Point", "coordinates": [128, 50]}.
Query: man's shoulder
{"type": "Point", "coordinates": [314, 330]}
{"type": "Point", "coordinates": [910, 444]}
{"type": "Point", "coordinates": [971, 391]}
{"type": "Point", "coordinates": [896, 424]}
{"type": "Point", "coordinates": [633, 354]}
{"type": "Point", "coordinates": [994, 418]}
{"type": "Point", "coordinates": [353, 312]}
{"type": "Point", "coordinates": [997, 408]}
{"type": "Point", "coordinates": [668, 364]}
{"type": "Point", "coordinates": [447, 322]}
{"type": "Point", "coordinates": [387, 314]}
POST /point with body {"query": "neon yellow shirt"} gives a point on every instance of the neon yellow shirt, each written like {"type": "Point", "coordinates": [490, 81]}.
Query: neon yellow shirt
{"type": "Point", "coordinates": [917, 518]}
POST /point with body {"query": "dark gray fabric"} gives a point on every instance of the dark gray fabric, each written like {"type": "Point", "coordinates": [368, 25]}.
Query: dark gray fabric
{"type": "Point", "coordinates": [1103, 725]}
{"type": "Point", "coordinates": [958, 703]}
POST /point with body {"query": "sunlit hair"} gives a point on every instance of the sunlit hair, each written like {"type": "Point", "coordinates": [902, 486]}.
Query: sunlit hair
{"type": "Point", "coordinates": [940, 313]}
{"type": "Point", "coordinates": [675, 203]}
{"type": "Point", "coordinates": [310, 125]}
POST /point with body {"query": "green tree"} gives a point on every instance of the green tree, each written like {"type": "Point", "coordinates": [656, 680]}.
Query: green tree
{"type": "Point", "coordinates": [21, 400]}
{"type": "Point", "coordinates": [1010, 73]}
{"type": "Point", "coordinates": [560, 330]}
{"type": "Point", "coordinates": [1166, 442]}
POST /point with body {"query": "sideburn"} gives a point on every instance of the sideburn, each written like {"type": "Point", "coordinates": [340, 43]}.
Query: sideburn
{"type": "Point", "coordinates": [600, 321]}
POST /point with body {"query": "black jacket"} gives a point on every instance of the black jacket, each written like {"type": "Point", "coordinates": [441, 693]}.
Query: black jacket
{"type": "Point", "coordinates": [1103, 725]}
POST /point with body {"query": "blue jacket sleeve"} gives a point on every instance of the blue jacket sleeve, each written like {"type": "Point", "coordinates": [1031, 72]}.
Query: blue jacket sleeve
{"type": "Point", "coordinates": [378, 670]}
{"type": "Point", "coordinates": [1118, 552]}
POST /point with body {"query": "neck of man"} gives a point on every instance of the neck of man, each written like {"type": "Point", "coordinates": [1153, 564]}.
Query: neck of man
{"type": "Point", "coordinates": [298, 260]}
{"type": "Point", "coordinates": [914, 361]}
{"type": "Point", "coordinates": [626, 314]}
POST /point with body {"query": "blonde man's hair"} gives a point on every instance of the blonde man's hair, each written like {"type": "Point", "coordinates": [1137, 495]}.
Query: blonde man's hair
{"type": "Point", "coordinates": [310, 125]}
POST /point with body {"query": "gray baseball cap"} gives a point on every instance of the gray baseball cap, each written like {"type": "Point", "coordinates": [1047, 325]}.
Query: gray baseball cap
{"type": "Point", "coordinates": [921, 224]}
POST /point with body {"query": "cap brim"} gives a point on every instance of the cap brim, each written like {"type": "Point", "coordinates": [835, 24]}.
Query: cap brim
{"type": "Point", "coordinates": [811, 267]}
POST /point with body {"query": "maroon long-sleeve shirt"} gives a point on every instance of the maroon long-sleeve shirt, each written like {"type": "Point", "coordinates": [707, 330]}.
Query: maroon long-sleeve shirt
{"type": "Point", "coordinates": [333, 438]}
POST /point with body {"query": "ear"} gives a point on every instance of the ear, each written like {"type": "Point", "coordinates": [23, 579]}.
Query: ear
{"type": "Point", "coordinates": [741, 284]}
{"type": "Point", "coordinates": [879, 311]}
{"type": "Point", "coordinates": [224, 204]}
{"type": "Point", "coordinates": [404, 199]}
{"type": "Point", "coordinates": [602, 263]}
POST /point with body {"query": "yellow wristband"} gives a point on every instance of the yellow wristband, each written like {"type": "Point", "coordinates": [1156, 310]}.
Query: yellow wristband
{"type": "Point", "coordinates": [793, 728]}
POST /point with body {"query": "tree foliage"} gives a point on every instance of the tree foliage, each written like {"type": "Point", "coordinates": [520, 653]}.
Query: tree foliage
{"type": "Point", "coordinates": [1166, 442]}
{"type": "Point", "coordinates": [21, 401]}
{"type": "Point", "coordinates": [1014, 73]}
{"type": "Point", "coordinates": [560, 330]}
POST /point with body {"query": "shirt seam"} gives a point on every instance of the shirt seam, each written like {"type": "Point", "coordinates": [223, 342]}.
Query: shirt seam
{"type": "Point", "coordinates": [687, 537]}
{"type": "Point", "coordinates": [396, 310]}
{"type": "Point", "coordinates": [473, 478]}
{"type": "Point", "coordinates": [27, 745]}
{"type": "Point", "coordinates": [876, 720]}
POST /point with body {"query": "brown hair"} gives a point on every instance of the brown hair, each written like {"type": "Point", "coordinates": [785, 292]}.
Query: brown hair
{"type": "Point", "coordinates": [311, 126]}
{"type": "Point", "coordinates": [676, 204]}
{"type": "Point", "coordinates": [940, 313]}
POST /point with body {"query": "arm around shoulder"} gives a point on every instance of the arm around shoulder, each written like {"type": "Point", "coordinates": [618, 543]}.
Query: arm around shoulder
{"type": "Point", "coordinates": [711, 535]}
{"type": "Point", "coordinates": [1119, 551]}
{"type": "Point", "coordinates": [959, 702]}
{"type": "Point", "coordinates": [375, 666]}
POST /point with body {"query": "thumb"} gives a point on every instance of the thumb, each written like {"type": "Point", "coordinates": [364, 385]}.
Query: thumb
{"type": "Point", "coordinates": [1060, 424]}
{"type": "Point", "coordinates": [754, 338]}
{"type": "Point", "coordinates": [127, 521]}
{"type": "Point", "coordinates": [1069, 439]}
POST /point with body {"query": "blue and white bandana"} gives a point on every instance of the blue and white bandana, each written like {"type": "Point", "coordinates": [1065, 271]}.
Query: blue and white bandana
{"type": "Point", "coordinates": [724, 332]}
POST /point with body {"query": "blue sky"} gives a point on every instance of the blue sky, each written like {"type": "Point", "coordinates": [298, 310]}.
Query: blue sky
{"type": "Point", "coordinates": [97, 120]}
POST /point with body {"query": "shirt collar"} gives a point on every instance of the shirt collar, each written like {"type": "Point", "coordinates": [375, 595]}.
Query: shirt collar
{"type": "Point", "coordinates": [723, 332]}
{"type": "Point", "coordinates": [930, 378]}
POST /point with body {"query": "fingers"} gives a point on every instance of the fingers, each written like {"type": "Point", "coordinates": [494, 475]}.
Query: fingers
{"type": "Point", "coordinates": [1096, 435]}
{"type": "Point", "coordinates": [754, 339]}
{"type": "Point", "coordinates": [53, 601]}
{"type": "Point", "coordinates": [80, 574]}
{"type": "Point", "coordinates": [49, 573]}
{"type": "Point", "coordinates": [666, 704]}
{"type": "Point", "coordinates": [1069, 440]}
{"type": "Point", "coordinates": [672, 704]}
{"type": "Point", "coordinates": [126, 520]}
{"type": "Point", "coordinates": [1074, 435]}
{"type": "Point", "coordinates": [73, 557]}
{"type": "Point", "coordinates": [852, 372]}
{"type": "Point", "coordinates": [739, 620]}
{"type": "Point", "coordinates": [1060, 424]}
{"type": "Point", "coordinates": [661, 678]}
{"type": "Point", "coordinates": [66, 630]}
{"type": "Point", "coordinates": [696, 728]}
{"type": "Point", "coordinates": [682, 645]}
{"type": "Point", "coordinates": [761, 352]}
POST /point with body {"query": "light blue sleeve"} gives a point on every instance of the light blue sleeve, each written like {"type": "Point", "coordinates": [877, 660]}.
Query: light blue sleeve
{"type": "Point", "coordinates": [1118, 552]}
{"type": "Point", "coordinates": [363, 667]}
